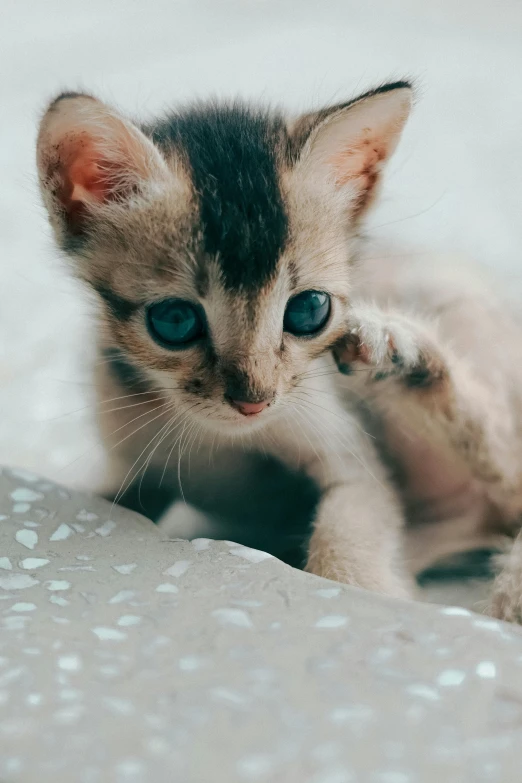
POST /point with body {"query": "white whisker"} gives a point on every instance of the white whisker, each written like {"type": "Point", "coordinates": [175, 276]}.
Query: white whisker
{"type": "Point", "coordinates": [124, 486]}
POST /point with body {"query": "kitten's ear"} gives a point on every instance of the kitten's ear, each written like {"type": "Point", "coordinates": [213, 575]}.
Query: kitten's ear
{"type": "Point", "coordinates": [349, 145]}
{"type": "Point", "coordinates": [89, 156]}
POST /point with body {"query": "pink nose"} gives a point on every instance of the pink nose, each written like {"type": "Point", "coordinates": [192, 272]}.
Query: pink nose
{"type": "Point", "coordinates": [250, 408]}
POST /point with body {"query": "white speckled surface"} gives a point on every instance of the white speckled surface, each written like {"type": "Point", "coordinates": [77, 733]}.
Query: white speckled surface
{"type": "Point", "coordinates": [127, 657]}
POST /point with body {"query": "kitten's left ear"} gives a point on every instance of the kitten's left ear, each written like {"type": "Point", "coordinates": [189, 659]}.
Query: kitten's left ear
{"type": "Point", "coordinates": [89, 156]}
{"type": "Point", "coordinates": [349, 145]}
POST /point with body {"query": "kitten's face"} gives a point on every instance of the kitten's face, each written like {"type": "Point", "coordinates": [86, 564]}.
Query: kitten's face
{"type": "Point", "coordinates": [219, 240]}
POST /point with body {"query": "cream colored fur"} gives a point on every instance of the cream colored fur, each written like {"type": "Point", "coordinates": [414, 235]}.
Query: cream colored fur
{"type": "Point", "coordinates": [457, 438]}
{"type": "Point", "coordinates": [435, 359]}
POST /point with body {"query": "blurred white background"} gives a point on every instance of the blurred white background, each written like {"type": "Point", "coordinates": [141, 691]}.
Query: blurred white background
{"type": "Point", "coordinates": [455, 184]}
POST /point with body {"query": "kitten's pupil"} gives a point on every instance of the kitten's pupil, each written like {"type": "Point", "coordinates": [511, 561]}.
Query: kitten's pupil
{"type": "Point", "coordinates": [307, 313]}
{"type": "Point", "coordinates": [174, 322]}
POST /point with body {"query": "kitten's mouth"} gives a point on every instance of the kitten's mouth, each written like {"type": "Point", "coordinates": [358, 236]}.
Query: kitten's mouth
{"type": "Point", "coordinates": [249, 408]}
{"type": "Point", "coordinates": [231, 416]}
{"type": "Point", "coordinates": [242, 415]}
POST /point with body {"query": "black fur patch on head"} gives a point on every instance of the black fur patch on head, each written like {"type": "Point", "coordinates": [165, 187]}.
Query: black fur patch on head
{"type": "Point", "coordinates": [233, 154]}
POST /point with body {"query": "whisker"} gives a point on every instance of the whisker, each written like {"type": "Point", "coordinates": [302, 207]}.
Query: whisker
{"type": "Point", "coordinates": [312, 446]}
{"type": "Point", "coordinates": [106, 437]}
{"type": "Point", "coordinates": [166, 429]}
{"type": "Point", "coordinates": [302, 411]}
{"type": "Point", "coordinates": [159, 390]}
{"type": "Point", "coordinates": [335, 395]}
{"type": "Point", "coordinates": [342, 441]}
{"type": "Point", "coordinates": [410, 217]}
{"type": "Point", "coordinates": [331, 413]}
{"type": "Point", "coordinates": [301, 406]}
{"type": "Point", "coordinates": [94, 407]}
{"type": "Point", "coordinates": [134, 394]}
{"type": "Point", "coordinates": [326, 373]}
{"type": "Point", "coordinates": [136, 418]}
{"type": "Point", "coordinates": [132, 405]}
{"type": "Point", "coordinates": [124, 486]}
{"type": "Point", "coordinates": [197, 430]}
{"type": "Point", "coordinates": [180, 441]}
{"type": "Point", "coordinates": [338, 395]}
{"type": "Point", "coordinates": [187, 411]}
{"type": "Point", "coordinates": [293, 414]}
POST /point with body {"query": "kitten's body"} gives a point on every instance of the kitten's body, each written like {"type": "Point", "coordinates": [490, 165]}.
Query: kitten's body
{"type": "Point", "coordinates": [227, 218]}
{"type": "Point", "coordinates": [447, 507]}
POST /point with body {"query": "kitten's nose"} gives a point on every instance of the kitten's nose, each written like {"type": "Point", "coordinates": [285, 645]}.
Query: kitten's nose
{"type": "Point", "coordinates": [250, 408]}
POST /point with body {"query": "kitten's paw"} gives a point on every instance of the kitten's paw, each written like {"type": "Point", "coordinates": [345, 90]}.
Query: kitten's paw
{"type": "Point", "coordinates": [392, 346]}
{"type": "Point", "coordinates": [507, 607]}
{"type": "Point", "coordinates": [381, 580]}
{"type": "Point", "coordinates": [506, 598]}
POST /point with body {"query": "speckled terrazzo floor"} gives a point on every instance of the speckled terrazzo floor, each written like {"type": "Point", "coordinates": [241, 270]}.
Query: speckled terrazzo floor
{"type": "Point", "coordinates": [127, 657]}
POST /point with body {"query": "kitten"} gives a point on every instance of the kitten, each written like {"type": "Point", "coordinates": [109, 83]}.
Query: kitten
{"type": "Point", "coordinates": [223, 244]}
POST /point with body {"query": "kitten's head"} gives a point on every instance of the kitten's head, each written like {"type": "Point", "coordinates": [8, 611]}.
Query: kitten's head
{"type": "Point", "coordinates": [219, 240]}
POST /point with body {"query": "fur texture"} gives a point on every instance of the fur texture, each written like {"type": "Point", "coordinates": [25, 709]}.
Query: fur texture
{"type": "Point", "coordinates": [449, 400]}
{"type": "Point", "coordinates": [237, 211]}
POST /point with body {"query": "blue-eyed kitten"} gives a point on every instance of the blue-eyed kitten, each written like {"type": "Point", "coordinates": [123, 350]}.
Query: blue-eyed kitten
{"type": "Point", "coordinates": [219, 241]}
{"type": "Point", "coordinates": [224, 245]}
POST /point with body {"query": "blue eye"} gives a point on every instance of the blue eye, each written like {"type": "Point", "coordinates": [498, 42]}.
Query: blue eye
{"type": "Point", "coordinates": [307, 313]}
{"type": "Point", "coordinates": [174, 323]}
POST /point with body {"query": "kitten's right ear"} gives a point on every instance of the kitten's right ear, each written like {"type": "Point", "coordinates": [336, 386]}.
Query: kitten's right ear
{"type": "Point", "coordinates": [349, 145]}
{"type": "Point", "coordinates": [89, 156]}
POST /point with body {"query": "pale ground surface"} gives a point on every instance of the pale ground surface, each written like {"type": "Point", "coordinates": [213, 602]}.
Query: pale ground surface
{"type": "Point", "coordinates": [456, 183]}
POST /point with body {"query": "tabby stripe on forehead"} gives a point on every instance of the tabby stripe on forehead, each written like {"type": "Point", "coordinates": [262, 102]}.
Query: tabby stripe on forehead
{"type": "Point", "coordinates": [233, 154]}
{"type": "Point", "coordinates": [119, 307]}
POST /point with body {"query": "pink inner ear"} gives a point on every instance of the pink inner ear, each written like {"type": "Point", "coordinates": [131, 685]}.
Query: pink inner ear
{"type": "Point", "coordinates": [360, 163]}
{"type": "Point", "coordinates": [358, 160]}
{"type": "Point", "coordinates": [86, 178]}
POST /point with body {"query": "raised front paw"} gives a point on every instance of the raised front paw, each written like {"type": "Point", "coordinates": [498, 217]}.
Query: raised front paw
{"type": "Point", "coordinates": [392, 345]}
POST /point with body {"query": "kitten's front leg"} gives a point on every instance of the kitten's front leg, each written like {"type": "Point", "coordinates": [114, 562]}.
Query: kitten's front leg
{"type": "Point", "coordinates": [357, 539]}
{"type": "Point", "coordinates": [357, 531]}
